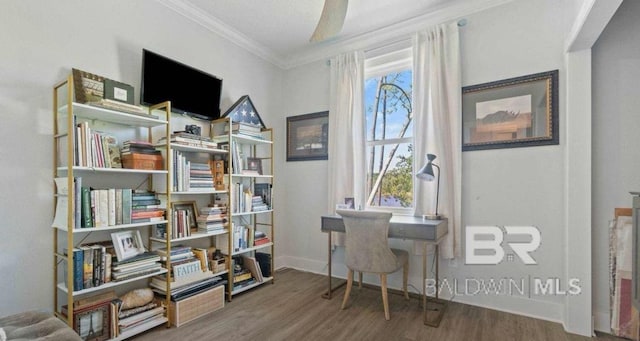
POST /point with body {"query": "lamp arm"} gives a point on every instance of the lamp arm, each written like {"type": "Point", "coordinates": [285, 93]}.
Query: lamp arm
{"type": "Point", "coordinates": [437, 188]}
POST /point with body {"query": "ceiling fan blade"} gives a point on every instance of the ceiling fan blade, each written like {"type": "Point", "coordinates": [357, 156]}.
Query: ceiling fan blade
{"type": "Point", "coordinates": [331, 20]}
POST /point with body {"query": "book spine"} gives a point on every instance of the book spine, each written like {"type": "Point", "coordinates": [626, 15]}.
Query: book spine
{"type": "Point", "coordinates": [88, 267]}
{"type": "Point", "coordinates": [103, 204]}
{"type": "Point", "coordinates": [78, 271]}
{"type": "Point", "coordinates": [111, 219]}
{"type": "Point", "coordinates": [86, 207]}
{"type": "Point", "coordinates": [118, 206]}
{"type": "Point", "coordinates": [94, 208]}
{"type": "Point", "coordinates": [77, 202]}
{"type": "Point", "coordinates": [126, 206]}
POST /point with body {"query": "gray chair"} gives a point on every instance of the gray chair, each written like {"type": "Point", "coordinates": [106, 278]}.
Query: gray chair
{"type": "Point", "coordinates": [367, 250]}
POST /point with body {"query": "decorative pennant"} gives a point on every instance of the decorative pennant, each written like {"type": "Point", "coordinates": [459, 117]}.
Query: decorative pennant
{"type": "Point", "coordinates": [244, 111]}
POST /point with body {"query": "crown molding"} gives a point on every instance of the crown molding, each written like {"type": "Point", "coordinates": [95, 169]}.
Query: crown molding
{"type": "Point", "coordinates": [214, 25]}
{"type": "Point", "coordinates": [327, 49]}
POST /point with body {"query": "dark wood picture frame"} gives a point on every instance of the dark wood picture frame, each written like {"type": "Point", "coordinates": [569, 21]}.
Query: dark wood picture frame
{"type": "Point", "coordinates": [190, 207]}
{"type": "Point", "coordinates": [254, 164]}
{"type": "Point", "coordinates": [308, 137]}
{"type": "Point", "coordinates": [514, 112]}
{"type": "Point", "coordinates": [93, 324]}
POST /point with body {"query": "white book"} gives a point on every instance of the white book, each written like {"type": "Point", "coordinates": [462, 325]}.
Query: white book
{"type": "Point", "coordinates": [103, 207]}
{"type": "Point", "coordinates": [111, 202]}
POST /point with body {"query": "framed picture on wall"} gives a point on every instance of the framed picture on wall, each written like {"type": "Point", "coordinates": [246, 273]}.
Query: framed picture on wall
{"type": "Point", "coordinates": [515, 112]}
{"type": "Point", "coordinates": [308, 137]}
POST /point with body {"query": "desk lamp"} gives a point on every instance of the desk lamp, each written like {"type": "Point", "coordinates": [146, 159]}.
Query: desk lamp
{"type": "Point", "coordinates": [426, 174]}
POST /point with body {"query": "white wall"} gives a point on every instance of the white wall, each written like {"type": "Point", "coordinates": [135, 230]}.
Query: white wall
{"type": "Point", "coordinates": [40, 42]}
{"type": "Point", "coordinates": [616, 160]}
{"type": "Point", "coordinates": [522, 186]}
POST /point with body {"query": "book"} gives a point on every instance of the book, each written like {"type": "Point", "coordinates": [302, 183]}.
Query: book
{"type": "Point", "coordinates": [111, 202]}
{"type": "Point", "coordinates": [202, 255]}
{"type": "Point", "coordinates": [184, 270]}
{"type": "Point", "coordinates": [118, 206]}
{"type": "Point", "coordinates": [77, 206]}
{"type": "Point", "coordinates": [87, 219]}
{"type": "Point", "coordinates": [126, 205]}
{"type": "Point", "coordinates": [88, 267]}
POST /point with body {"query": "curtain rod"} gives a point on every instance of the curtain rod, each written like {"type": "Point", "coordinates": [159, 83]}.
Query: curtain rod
{"type": "Point", "coordinates": [461, 23]}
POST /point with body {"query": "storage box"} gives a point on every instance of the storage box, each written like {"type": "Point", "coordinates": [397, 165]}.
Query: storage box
{"type": "Point", "coordinates": [196, 306]}
{"type": "Point", "coordinates": [142, 161]}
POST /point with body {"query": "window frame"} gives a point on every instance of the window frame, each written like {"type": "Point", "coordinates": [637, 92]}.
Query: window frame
{"type": "Point", "coordinates": [381, 62]}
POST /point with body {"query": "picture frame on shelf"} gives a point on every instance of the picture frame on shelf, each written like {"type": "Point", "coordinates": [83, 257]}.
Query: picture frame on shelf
{"type": "Point", "coordinates": [93, 324]}
{"type": "Point", "coordinates": [190, 207]}
{"type": "Point", "coordinates": [87, 87]}
{"type": "Point", "coordinates": [127, 244]}
{"type": "Point", "coordinates": [308, 137]}
{"type": "Point", "coordinates": [509, 113]}
{"type": "Point", "coordinates": [254, 164]}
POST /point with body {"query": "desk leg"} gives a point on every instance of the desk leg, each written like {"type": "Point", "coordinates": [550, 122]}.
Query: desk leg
{"type": "Point", "coordinates": [327, 295]}
{"type": "Point", "coordinates": [424, 281]}
{"type": "Point", "coordinates": [441, 305]}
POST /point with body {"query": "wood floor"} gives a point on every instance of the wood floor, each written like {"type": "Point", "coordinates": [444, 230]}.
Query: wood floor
{"type": "Point", "coordinates": [292, 309]}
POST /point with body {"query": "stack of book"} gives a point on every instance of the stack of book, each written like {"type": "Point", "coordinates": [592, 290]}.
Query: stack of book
{"type": "Point", "coordinates": [134, 317]}
{"type": "Point", "coordinates": [189, 273]}
{"type": "Point", "coordinates": [189, 175]}
{"type": "Point", "coordinates": [260, 238]}
{"type": "Point", "coordinates": [200, 176]}
{"type": "Point", "coordinates": [140, 265]}
{"type": "Point", "coordinates": [242, 276]}
{"type": "Point", "coordinates": [138, 147]}
{"type": "Point", "coordinates": [141, 155]}
{"type": "Point", "coordinates": [212, 219]}
{"type": "Point", "coordinates": [258, 204]}
{"type": "Point", "coordinates": [191, 140]}
{"type": "Point", "coordinates": [145, 207]}
{"type": "Point", "coordinates": [241, 128]}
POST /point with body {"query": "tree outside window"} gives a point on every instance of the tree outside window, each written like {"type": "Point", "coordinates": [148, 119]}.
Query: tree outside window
{"type": "Point", "coordinates": [389, 142]}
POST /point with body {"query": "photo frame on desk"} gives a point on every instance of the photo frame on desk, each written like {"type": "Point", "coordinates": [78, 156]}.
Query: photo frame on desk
{"type": "Point", "coordinates": [127, 244]}
{"type": "Point", "coordinates": [254, 164]}
{"type": "Point", "coordinates": [509, 113]}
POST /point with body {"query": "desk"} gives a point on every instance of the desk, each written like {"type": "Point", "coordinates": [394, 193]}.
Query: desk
{"type": "Point", "coordinates": [401, 227]}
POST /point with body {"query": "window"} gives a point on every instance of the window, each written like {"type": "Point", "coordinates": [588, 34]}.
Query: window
{"type": "Point", "coordinates": [389, 131]}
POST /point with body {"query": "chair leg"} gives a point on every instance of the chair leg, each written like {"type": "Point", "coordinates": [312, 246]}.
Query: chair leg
{"type": "Point", "coordinates": [348, 290]}
{"type": "Point", "coordinates": [405, 279]}
{"type": "Point", "coordinates": [385, 300]}
{"type": "Point", "coordinates": [360, 278]}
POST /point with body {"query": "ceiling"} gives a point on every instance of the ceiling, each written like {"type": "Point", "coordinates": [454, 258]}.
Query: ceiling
{"type": "Point", "coordinates": [279, 30]}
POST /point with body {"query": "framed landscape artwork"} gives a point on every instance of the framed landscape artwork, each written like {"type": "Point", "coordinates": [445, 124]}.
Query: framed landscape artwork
{"type": "Point", "coordinates": [515, 112]}
{"type": "Point", "coordinates": [308, 137]}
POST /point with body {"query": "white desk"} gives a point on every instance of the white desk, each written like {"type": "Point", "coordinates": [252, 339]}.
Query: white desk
{"type": "Point", "coordinates": [401, 227]}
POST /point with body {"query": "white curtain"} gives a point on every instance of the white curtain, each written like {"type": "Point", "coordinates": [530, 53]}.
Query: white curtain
{"type": "Point", "coordinates": [437, 125]}
{"type": "Point", "coordinates": [346, 173]}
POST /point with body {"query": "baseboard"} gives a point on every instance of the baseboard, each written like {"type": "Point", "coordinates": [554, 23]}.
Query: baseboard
{"type": "Point", "coordinates": [602, 323]}
{"type": "Point", "coordinates": [539, 309]}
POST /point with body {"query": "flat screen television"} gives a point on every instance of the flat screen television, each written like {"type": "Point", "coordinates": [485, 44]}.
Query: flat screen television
{"type": "Point", "coordinates": [191, 91]}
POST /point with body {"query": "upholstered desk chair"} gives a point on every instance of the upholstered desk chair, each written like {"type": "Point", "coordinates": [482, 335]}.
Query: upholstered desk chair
{"type": "Point", "coordinates": [367, 250]}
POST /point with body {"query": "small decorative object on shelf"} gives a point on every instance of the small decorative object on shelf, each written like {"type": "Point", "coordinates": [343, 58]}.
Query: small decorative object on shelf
{"type": "Point", "coordinates": [243, 111]}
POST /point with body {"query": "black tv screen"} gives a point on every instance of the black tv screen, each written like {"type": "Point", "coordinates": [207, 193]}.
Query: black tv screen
{"type": "Point", "coordinates": [191, 91]}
